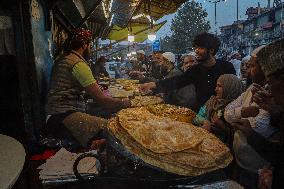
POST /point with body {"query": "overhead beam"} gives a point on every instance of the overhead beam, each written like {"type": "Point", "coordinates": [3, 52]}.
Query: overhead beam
{"type": "Point", "coordinates": [90, 13]}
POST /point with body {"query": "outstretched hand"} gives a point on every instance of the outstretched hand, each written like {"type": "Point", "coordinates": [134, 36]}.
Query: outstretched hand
{"type": "Point", "coordinates": [147, 87]}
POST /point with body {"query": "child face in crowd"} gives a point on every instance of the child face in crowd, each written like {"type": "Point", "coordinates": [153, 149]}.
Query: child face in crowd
{"type": "Point", "coordinates": [219, 90]}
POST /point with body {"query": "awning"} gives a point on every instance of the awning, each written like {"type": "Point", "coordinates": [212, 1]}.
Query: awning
{"type": "Point", "coordinates": [160, 8]}
{"type": "Point", "coordinates": [140, 32]}
{"type": "Point", "coordinates": [101, 15]}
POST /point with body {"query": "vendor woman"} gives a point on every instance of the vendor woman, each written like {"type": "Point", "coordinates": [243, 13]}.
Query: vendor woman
{"type": "Point", "coordinates": [70, 77]}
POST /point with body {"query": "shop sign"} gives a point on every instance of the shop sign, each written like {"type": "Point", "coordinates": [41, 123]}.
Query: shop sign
{"type": "Point", "coordinates": [156, 46]}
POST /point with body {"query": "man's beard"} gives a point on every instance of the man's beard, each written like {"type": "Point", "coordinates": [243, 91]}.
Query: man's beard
{"type": "Point", "coordinates": [204, 58]}
{"type": "Point", "coordinates": [164, 70]}
{"type": "Point", "coordinates": [86, 54]}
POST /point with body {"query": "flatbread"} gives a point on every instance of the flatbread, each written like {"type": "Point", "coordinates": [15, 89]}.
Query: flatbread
{"type": "Point", "coordinates": [174, 112]}
{"type": "Point", "coordinates": [127, 81]}
{"type": "Point", "coordinates": [190, 163]}
{"type": "Point", "coordinates": [159, 134]}
{"type": "Point", "coordinates": [120, 93]}
{"type": "Point", "coordinates": [139, 101]}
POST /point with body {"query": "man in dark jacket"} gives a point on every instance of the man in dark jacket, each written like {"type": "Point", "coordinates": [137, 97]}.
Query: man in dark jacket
{"type": "Point", "coordinates": [204, 75]}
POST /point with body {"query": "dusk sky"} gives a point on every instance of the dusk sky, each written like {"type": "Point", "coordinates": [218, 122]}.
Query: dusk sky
{"type": "Point", "coordinates": [226, 13]}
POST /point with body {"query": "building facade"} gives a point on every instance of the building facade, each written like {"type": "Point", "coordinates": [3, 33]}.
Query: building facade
{"type": "Point", "coordinates": [262, 26]}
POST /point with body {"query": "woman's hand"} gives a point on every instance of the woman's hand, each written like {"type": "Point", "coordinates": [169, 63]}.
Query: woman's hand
{"type": "Point", "coordinates": [206, 125]}
{"type": "Point", "coordinates": [215, 118]}
{"type": "Point", "coordinates": [217, 122]}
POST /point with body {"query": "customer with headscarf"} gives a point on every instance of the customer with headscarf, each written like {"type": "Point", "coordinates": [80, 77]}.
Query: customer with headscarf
{"type": "Point", "coordinates": [228, 88]}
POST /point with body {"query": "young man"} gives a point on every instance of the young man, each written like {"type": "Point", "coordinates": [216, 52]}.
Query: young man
{"type": "Point", "coordinates": [70, 77]}
{"type": "Point", "coordinates": [204, 75]}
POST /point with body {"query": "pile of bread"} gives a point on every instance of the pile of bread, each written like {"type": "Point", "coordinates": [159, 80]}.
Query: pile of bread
{"type": "Point", "coordinates": [163, 136]}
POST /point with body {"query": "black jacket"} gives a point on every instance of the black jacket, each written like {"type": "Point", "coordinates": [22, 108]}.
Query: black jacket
{"type": "Point", "coordinates": [203, 78]}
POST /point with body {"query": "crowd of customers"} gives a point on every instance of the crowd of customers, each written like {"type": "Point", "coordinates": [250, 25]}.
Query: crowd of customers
{"type": "Point", "coordinates": [240, 100]}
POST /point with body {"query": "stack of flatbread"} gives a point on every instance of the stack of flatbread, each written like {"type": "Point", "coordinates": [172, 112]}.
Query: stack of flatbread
{"type": "Point", "coordinates": [174, 112]}
{"type": "Point", "coordinates": [171, 145]}
{"type": "Point", "coordinates": [120, 93]}
{"type": "Point", "coordinates": [129, 84]}
{"type": "Point", "coordinates": [138, 101]}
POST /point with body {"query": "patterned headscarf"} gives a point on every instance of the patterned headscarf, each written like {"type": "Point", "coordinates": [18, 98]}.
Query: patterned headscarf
{"type": "Point", "coordinates": [82, 35]}
{"type": "Point", "coordinates": [232, 88]}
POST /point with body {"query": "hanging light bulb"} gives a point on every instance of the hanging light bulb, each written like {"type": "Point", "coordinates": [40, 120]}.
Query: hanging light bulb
{"type": "Point", "coordinates": [151, 36]}
{"type": "Point", "coordinates": [130, 38]}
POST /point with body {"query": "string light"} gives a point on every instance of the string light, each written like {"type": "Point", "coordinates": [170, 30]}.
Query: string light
{"type": "Point", "coordinates": [130, 36]}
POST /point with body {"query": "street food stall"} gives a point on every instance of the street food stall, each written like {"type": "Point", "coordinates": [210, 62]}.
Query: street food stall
{"type": "Point", "coordinates": [148, 144]}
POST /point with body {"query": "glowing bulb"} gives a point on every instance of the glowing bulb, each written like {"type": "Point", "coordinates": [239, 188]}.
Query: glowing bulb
{"type": "Point", "coordinates": [130, 38]}
{"type": "Point", "coordinates": [151, 36]}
